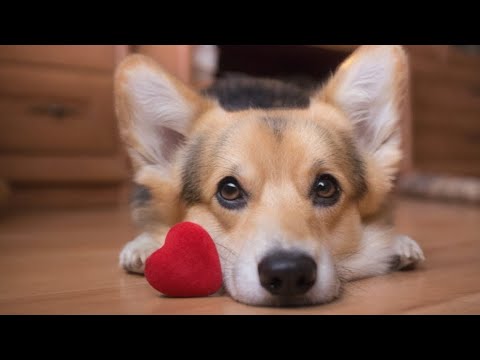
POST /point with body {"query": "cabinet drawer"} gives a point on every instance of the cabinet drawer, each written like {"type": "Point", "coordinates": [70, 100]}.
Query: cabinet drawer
{"type": "Point", "coordinates": [99, 57]}
{"type": "Point", "coordinates": [50, 111]}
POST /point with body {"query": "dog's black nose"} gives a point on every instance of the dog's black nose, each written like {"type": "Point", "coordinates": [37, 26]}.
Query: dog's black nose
{"type": "Point", "coordinates": [286, 273]}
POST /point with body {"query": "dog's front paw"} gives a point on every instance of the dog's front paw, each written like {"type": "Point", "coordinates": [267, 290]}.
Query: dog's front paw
{"type": "Point", "coordinates": [136, 252]}
{"type": "Point", "coordinates": [407, 253]}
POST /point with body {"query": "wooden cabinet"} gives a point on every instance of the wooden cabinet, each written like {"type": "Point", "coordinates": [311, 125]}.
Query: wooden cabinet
{"type": "Point", "coordinates": [446, 110]}
{"type": "Point", "coordinates": [50, 111]}
{"type": "Point", "coordinates": [57, 125]}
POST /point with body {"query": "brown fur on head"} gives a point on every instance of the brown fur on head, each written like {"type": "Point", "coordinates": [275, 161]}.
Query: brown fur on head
{"type": "Point", "coordinates": [183, 145]}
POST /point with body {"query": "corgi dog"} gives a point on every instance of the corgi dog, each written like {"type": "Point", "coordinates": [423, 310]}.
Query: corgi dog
{"type": "Point", "coordinates": [293, 186]}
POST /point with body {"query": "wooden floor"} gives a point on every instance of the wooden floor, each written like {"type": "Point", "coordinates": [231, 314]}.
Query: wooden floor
{"type": "Point", "coordinates": [65, 262]}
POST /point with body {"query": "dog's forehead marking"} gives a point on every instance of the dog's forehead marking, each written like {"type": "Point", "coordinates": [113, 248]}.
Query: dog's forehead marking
{"type": "Point", "coordinates": [242, 93]}
{"type": "Point", "coordinates": [276, 124]}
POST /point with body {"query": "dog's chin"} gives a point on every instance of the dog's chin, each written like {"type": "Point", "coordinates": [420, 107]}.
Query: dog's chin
{"type": "Point", "coordinates": [268, 300]}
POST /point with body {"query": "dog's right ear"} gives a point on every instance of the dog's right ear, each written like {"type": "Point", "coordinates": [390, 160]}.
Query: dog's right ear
{"type": "Point", "coordinates": [155, 111]}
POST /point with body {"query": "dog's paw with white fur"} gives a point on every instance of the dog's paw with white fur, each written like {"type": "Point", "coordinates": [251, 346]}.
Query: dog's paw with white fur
{"type": "Point", "coordinates": [408, 253]}
{"type": "Point", "coordinates": [136, 252]}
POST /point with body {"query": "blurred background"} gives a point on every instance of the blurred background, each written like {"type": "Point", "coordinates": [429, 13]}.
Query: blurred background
{"type": "Point", "coordinates": [59, 146]}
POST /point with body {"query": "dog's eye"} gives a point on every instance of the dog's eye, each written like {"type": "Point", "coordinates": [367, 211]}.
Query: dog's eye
{"type": "Point", "coordinates": [230, 191]}
{"type": "Point", "coordinates": [230, 194]}
{"type": "Point", "coordinates": [325, 190]}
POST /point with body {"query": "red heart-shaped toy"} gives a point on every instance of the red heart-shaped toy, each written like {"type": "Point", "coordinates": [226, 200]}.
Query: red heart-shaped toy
{"type": "Point", "coordinates": [187, 265]}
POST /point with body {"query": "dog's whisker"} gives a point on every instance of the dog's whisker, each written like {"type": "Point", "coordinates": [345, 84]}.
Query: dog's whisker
{"type": "Point", "coordinates": [225, 247]}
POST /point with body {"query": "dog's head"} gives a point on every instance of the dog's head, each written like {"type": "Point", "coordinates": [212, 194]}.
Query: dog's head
{"type": "Point", "coordinates": [282, 191]}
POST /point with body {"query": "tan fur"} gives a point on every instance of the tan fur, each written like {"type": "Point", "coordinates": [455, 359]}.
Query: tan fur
{"type": "Point", "coordinates": [166, 205]}
{"type": "Point", "coordinates": [380, 179]}
{"type": "Point", "coordinates": [277, 168]}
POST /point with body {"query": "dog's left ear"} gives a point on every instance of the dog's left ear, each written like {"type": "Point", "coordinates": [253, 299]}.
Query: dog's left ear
{"type": "Point", "coordinates": [368, 88]}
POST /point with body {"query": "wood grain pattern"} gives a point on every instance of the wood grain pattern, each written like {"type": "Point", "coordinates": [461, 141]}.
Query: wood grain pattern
{"type": "Point", "coordinates": [66, 263]}
{"type": "Point", "coordinates": [69, 196]}
{"type": "Point", "coordinates": [446, 108]}
{"type": "Point", "coordinates": [64, 169]}
{"type": "Point", "coordinates": [94, 57]}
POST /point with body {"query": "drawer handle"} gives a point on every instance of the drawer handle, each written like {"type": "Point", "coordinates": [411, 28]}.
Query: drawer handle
{"type": "Point", "coordinates": [58, 111]}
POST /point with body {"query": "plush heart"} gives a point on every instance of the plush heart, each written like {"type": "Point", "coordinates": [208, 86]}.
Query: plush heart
{"type": "Point", "coordinates": [187, 265]}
